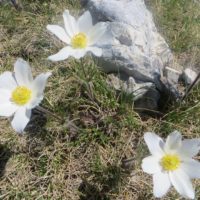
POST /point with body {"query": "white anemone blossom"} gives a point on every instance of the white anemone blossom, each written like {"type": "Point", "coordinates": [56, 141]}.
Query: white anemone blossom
{"type": "Point", "coordinates": [171, 163]}
{"type": "Point", "coordinates": [80, 36]}
{"type": "Point", "coordinates": [19, 93]}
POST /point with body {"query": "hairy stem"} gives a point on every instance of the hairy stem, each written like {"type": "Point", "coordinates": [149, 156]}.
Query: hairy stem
{"type": "Point", "coordinates": [87, 84]}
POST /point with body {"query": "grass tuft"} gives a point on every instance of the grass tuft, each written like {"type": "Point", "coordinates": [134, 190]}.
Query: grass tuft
{"type": "Point", "coordinates": [81, 158]}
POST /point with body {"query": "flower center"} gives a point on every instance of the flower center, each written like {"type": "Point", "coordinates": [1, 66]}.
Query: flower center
{"type": "Point", "coordinates": [21, 95]}
{"type": "Point", "coordinates": [79, 41]}
{"type": "Point", "coordinates": [170, 162]}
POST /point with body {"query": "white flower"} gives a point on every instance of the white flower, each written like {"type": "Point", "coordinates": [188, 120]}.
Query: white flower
{"type": "Point", "coordinates": [79, 35]}
{"type": "Point", "coordinates": [171, 163]}
{"type": "Point", "coordinates": [19, 93]}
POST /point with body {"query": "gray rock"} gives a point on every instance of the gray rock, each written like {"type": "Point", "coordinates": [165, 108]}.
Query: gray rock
{"type": "Point", "coordinates": [148, 92]}
{"type": "Point", "coordinates": [148, 102]}
{"type": "Point", "coordinates": [172, 74]}
{"type": "Point", "coordinates": [189, 76]}
{"type": "Point", "coordinates": [138, 89]}
{"type": "Point", "coordinates": [134, 47]}
{"type": "Point", "coordinates": [128, 85]}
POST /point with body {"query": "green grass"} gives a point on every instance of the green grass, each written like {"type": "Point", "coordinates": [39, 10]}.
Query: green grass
{"type": "Point", "coordinates": [81, 158]}
{"type": "Point", "coordinates": [179, 21]}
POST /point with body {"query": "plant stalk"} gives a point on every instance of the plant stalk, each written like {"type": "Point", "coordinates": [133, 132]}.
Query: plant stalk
{"type": "Point", "coordinates": [191, 87]}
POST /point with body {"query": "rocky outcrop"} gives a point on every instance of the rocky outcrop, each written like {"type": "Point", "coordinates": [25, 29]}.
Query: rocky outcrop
{"type": "Point", "coordinates": [135, 48]}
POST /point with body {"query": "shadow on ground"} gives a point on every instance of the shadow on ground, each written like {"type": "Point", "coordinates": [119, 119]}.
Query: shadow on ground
{"type": "Point", "coordinates": [5, 154]}
{"type": "Point", "coordinates": [37, 135]}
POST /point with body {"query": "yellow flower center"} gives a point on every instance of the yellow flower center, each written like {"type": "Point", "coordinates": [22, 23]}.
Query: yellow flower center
{"type": "Point", "coordinates": [170, 162]}
{"type": "Point", "coordinates": [79, 41]}
{"type": "Point", "coordinates": [21, 95]}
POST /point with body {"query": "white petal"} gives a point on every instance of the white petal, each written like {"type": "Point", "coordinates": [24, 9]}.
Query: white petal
{"type": "Point", "coordinates": [7, 81]}
{"type": "Point", "coordinates": [190, 147]}
{"type": "Point", "coordinates": [66, 52]}
{"type": "Point", "coordinates": [38, 87]}
{"type": "Point", "coordinates": [79, 53]}
{"type": "Point", "coordinates": [151, 165]}
{"type": "Point", "coordinates": [191, 168]}
{"type": "Point", "coordinates": [154, 143]}
{"type": "Point", "coordinates": [161, 184]}
{"type": "Point", "coordinates": [173, 141]}
{"type": "Point", "coordinates": [106, 40]}
{"type": "Point", "coordinates": [23, 73]}
{"type": "Point", "coordinates": [59, 32]}
{"type": "Point", "coordinates": [35, 102]}
{"type": "Point", "coordinates": [7, 109]}
{"type": "Point", "coordinates": [181, 181]}
{"type": "Point", "coordinates": [21, 119]}
{"type": "Point", "coordinates": [63, 54]}
{"type": "Point", "coordinates": [40, 82]}
{"type": "Point", "coordinates": [71, 25]}
{"type": "Point", "coordinates": [85, 22]}
{"type": "Point", "coordinates": [5, 96]}
{"type": "Point", "coordinates": [95, 50]}
{"type": "Point", "coordinates": [97, 32]}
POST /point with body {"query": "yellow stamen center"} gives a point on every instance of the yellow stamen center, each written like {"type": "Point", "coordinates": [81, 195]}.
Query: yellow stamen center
{"type": "Point", "coordinates": [21, 95]}
{"type": "Point", "coordinates": [170, 162]}
{"type": "Point", "coordinates": [79, 41]}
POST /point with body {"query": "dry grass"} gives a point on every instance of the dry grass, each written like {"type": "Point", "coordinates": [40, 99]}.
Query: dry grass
{"type": "Point", "coordinates": [82, 157]}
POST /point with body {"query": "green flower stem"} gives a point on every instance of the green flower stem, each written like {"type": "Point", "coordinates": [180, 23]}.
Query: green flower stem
{"type": "Point", "coordinates": [91, 96]}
